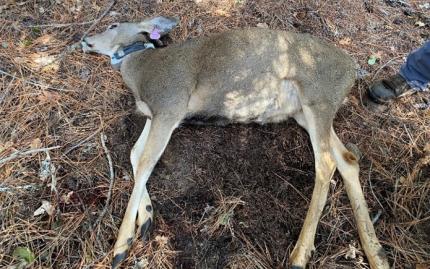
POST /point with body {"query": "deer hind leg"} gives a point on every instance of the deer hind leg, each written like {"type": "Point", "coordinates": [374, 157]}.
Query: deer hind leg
{"type": "Point", "coordinates": [319, 133]}
{"type": "Point", "coordinates": [145, 154]}
{"type": "Point", "coordinates": [349, 170]}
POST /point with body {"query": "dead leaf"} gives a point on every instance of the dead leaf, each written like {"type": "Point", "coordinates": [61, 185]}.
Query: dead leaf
{"type": "Point", "coordinates": [36, 143]}
{"type": "Point", "coordinates": [388, 27]}
{"type": "Point", "coordinates": [5, 146]}
{"type": "Point", "coordinates": [45, 40]}
{"type": "Point", "coordinates": [351, 253]}
{"type": "Point", "coordinates": [46, 207]}
{"type": "Point", "coordinates": [7, 5]}
{"type": "Point", "coordinates": [379, 54]}
{"type": "Point", "coordinates": [142, 264]}
{"type": "Point", "coordinates": [331, 26]}
{"type": "Point", "coordinates": [427, 148]}
{"type": "Point", "coordinates": [45, 168]}
{"type": "Point", "coordinates": [221, 12]}
{"type": "Point", "coordinates": [300, 15]}
{"type": "Point", "coordinates": [162, 240]}
{"type": "Point", "coordinates": [48, 97]}
{"type": "Point", "coordinates": [345, 41]}
{"type": "Point", "coordinates": [19, 60]}
{"type": "Point", "coordinates": [66, 198]}
{"type": "Point", "coordinates": [44, 62]}
{"type": "Point", "coordinates": [262, 25]}
{"type": "Point", "coordinates": [422, 266]}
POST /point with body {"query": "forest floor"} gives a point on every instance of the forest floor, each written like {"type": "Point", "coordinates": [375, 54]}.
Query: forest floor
{"type": "Point", "coordinates": [224, 197]}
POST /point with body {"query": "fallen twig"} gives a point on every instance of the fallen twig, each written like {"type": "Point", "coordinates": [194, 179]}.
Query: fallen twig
{"type": "Point", "coordinates": [294, 188]}
{"type": "Point", "coordinates": [111, 177]}
{"type": "Point", "coordinates": [81, 142]}
{"type": "Point", "coordinates": [25, 187]}
{"type": "Point", "coordinates": [377, 216]}
{"type": "Point", "coordinates": [52, 170]}
{"type": "Point", "coordinates": [111, 172]}
{"type": "Point", "coordinates": [60, 25]}
{"type": "Point", "coordinates": [30, 81]}
{"type": "Point", "coordinates": [20, 154]}
{"type": "Point", "coordinates": [98, 19]}
{"type": "Point", "coordinates": [371, 187]}
{"type": "Point", "coordinates": [76, 45]}
{"type": "Point", "coordinates": [6, 91]}
{"type": "Point", "coordinates": [386, 64]}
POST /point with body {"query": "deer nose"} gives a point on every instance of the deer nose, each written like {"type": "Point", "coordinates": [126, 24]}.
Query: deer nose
{"type": "Point", "coordinates": [85, 40]}
{"type": "Point", "coordinates": [85, 45]}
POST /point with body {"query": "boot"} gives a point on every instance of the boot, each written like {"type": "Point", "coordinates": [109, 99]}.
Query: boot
{"type": "Point", "coordinates": [385, 90]}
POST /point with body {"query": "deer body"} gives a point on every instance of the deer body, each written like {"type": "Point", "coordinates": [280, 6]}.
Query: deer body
{"type": "Point", "coordinates": [252, 75]}
{"type": "Point", "coordinates": [221, 75]}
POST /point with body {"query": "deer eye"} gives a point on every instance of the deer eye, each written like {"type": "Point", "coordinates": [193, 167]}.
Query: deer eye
{"type": "Point", "coordinates": [113, 26]}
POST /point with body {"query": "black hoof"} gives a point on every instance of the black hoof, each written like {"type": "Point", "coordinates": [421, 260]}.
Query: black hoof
{"type": "Point", "coordinates": [144, 231]}
{"type": "Point", "coordinates": [118, 259]}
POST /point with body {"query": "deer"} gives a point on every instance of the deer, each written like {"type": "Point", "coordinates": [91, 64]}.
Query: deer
{"type": "Point", "coordinates": [237, 76]}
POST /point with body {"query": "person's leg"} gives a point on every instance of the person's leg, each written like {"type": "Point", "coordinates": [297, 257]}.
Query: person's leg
{"type": "Point", "coordinates": [414, 74]}
{"type": "Point", "coordinates": [416, 70]}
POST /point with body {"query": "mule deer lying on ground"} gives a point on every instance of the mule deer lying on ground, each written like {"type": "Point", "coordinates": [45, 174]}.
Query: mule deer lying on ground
{"type": "Point", "coordinates": [252, 75]}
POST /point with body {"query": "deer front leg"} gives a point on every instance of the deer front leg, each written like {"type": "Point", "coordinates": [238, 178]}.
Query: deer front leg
{"type": "Point", "coordinates": [324, 169]}
{"type": "Point", "coordinates": [144, 215]}
{"type": "Point", "coordinates": [349, 170]}
{"type": "Point", "coordinates": [145, 209]}
{"type": "Point", "coordinates": [146, 153]}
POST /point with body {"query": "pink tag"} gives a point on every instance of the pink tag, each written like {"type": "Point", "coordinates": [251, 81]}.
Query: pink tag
{"type": "Point", "coordinates": [155, 34]}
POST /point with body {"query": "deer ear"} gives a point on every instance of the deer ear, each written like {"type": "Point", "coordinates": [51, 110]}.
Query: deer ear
{"type": "Point", "coordinates": [162, 25]}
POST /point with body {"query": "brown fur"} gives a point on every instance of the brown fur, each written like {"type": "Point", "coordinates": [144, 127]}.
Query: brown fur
{"type": "Point", "coordinates": [205, 67]}
{"type": "Point", "coordinates": [349, 157]}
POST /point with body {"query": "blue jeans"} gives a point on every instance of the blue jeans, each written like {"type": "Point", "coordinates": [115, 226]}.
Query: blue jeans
{"type": "Point", "coordinates": [416, 70]}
